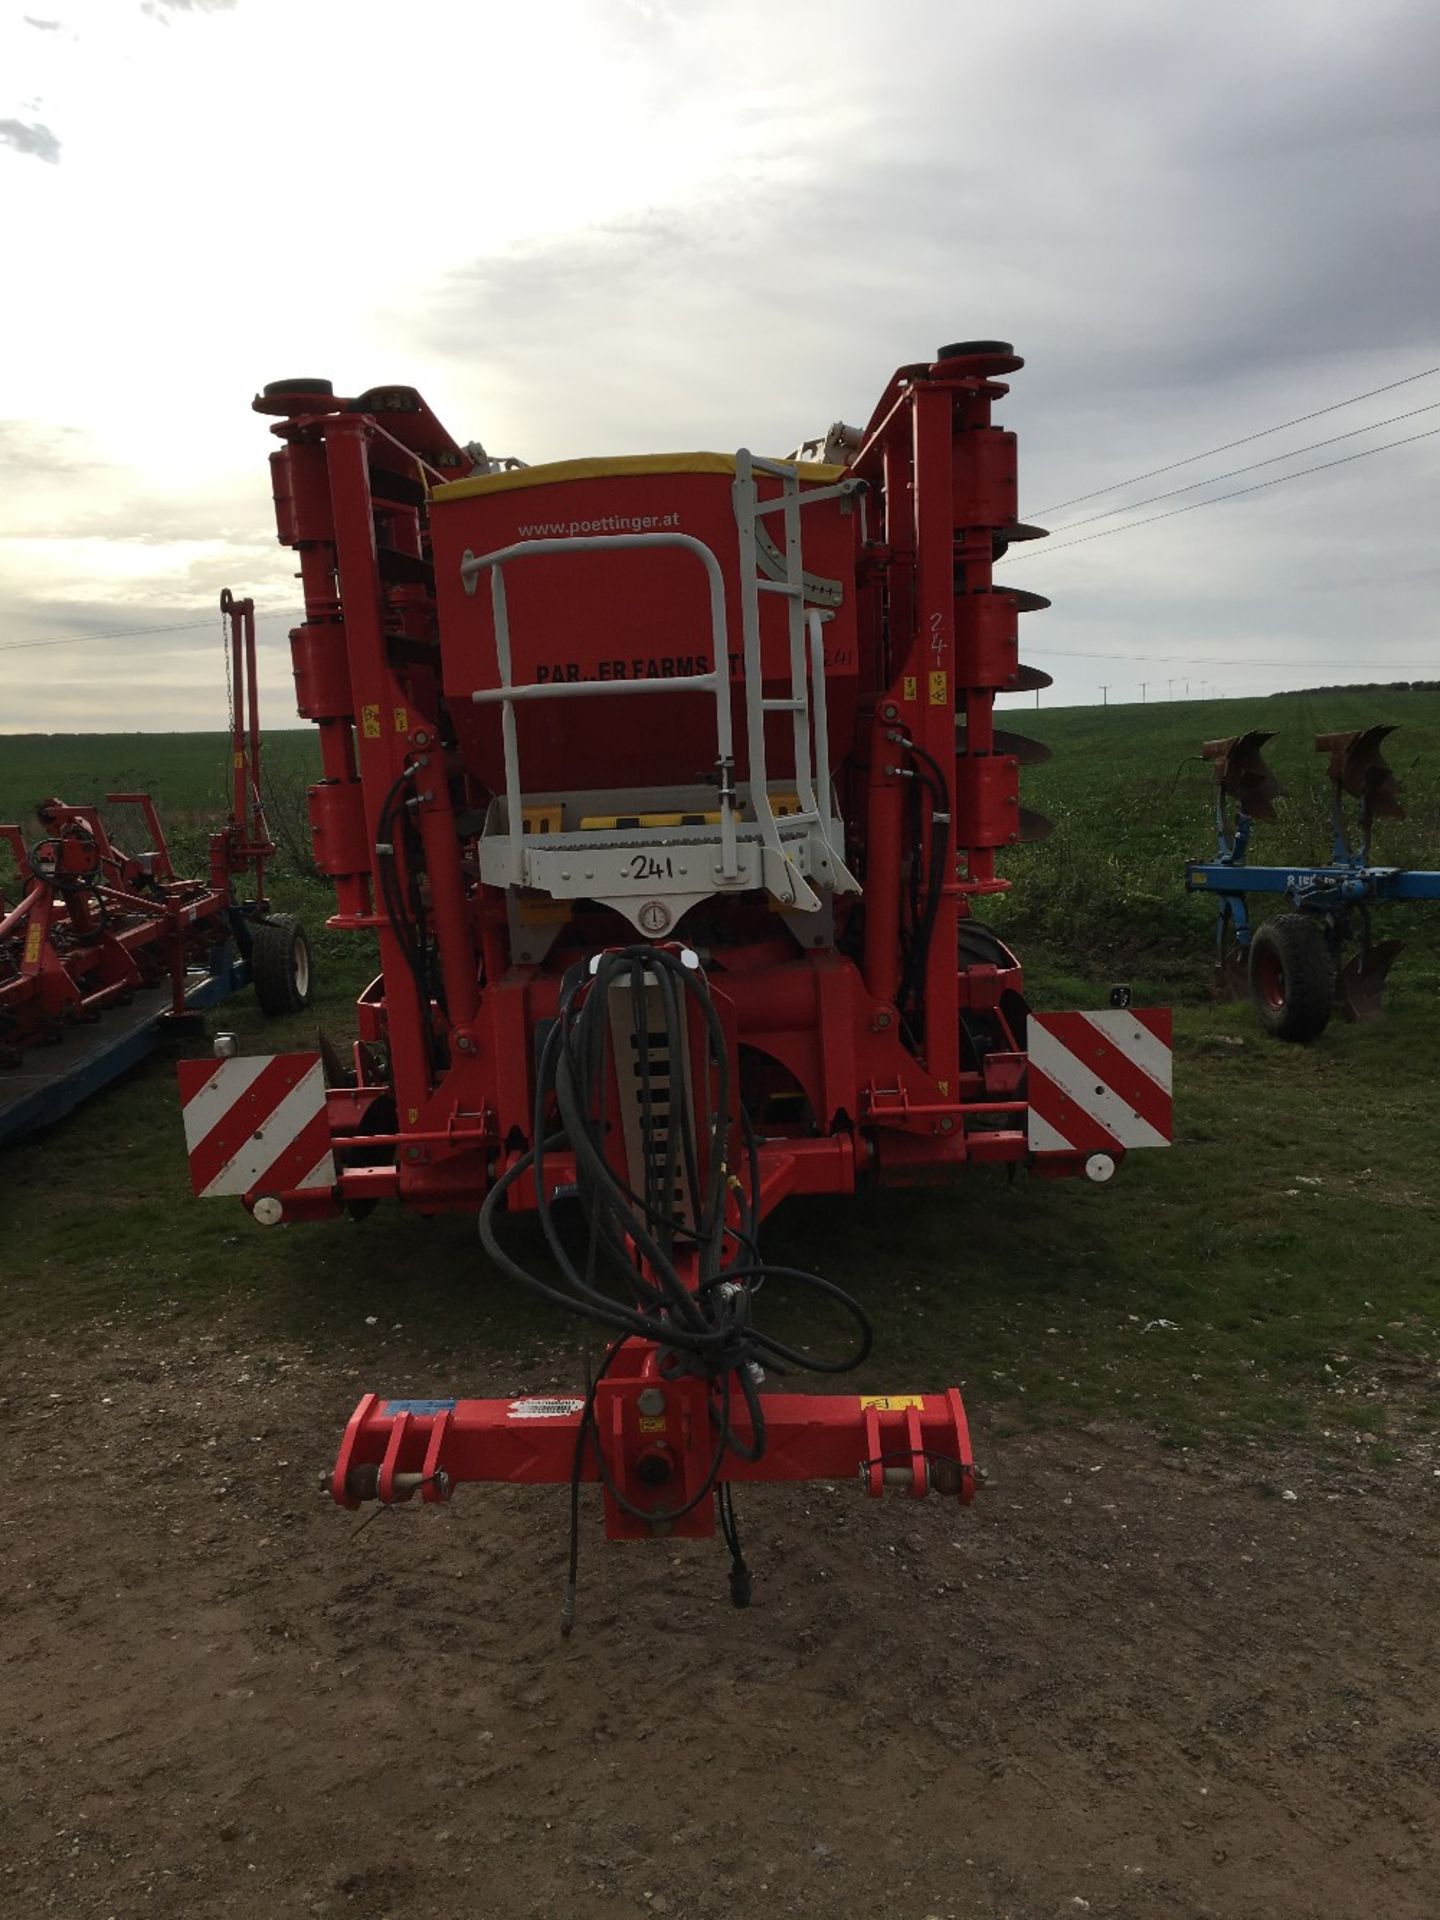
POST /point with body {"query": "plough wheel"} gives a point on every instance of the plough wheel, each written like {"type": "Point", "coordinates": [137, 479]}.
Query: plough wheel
{"type": "Point", "coordinates": [1292, 978]}
{"type": "Point", "coordinates": [280, 963]}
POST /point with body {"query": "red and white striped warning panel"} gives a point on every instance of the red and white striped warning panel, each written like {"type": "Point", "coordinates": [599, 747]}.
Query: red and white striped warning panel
{"type": "Point", "coordinates": [256, 1123]}
{"type": "Point", "coordinates": [1098, 1081]}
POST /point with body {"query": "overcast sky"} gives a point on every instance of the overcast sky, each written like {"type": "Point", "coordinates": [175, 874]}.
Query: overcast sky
{"type": "Point", "coordinates": [602, 226]}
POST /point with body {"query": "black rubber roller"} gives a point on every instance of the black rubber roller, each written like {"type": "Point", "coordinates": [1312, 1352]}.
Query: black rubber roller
{"type": "Point", "coordinates": [972, 349]}
{"type": "Point", "coordinates": [277, 389]}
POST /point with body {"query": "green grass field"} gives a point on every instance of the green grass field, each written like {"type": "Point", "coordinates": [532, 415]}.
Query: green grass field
{"type": "Point", "coordinates": [1131, 800]}
{"type": "Point", "coordinates": [1288, 1244]}
{"type": "Point", "coordinates": [185, 773]}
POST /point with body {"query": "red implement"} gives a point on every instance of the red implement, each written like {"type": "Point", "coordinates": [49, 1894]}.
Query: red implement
{"type": "Point", "coordinates": [671, 788]}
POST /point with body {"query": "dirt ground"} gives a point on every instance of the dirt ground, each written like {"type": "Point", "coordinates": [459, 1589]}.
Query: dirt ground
{"type": "Point", "coordinates": [1128, 1683]}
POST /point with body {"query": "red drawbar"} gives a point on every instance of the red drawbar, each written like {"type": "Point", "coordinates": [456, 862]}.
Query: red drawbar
{"type": "Point", "coordinates": [657, 1442]}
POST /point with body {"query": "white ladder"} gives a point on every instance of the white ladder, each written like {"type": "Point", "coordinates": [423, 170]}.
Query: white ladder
{"type": "Point", "coordinates": [805, 703]}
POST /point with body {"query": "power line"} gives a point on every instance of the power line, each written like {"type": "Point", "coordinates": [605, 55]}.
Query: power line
{"type": "Point", "coordinates": [1259, 486]}
{"type": "Point", "coordinates": [1215, 478]}
{"type": "Point", "coordinates": [126, 633]}
{"type": "Point", "coordinates": [1250, 660]}
{"type": "Point", "coordinates": [1264, 433]}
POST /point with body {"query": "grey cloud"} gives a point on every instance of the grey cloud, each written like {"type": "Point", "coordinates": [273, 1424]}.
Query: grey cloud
{"type": "Point", "coordinates": [41, 26]}
{"type": "Point", "coordinates": [1137, 216]}
{"type": "Point", "coordinates": [552, 278]}
{"type": "Point", "coordinates": [160, 521]}
{"type": "Point", "coordinates": [159, 9]}
{"type": "Point", "coordinates": [639, 23]}
{"type": "Point", "coordinates": [30, 137]}
{"type": "Point", "coordinates": [29, 452]}
{"type": "Point", "coordinates": [108, 682]}
{"type": "Point", "coordinates": [1193, 223]}
{"type": "Point", "coordinates": [1189, 234]}
{"type": "Point", "coordinates": [1149, 203]}
{"type": "Point", "coordinates": [55, 486]}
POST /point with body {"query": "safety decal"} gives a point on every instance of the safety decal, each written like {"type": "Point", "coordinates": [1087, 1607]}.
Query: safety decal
{"type": "Point", "coordinates": [1098, 1081]}
{"type": "Point", "coordinates": [256, 1124]}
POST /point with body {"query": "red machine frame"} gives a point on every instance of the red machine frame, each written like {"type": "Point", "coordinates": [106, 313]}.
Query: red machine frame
{"type": "Point", "coordinates": [92, 925]}
{"type": "Point", "coordinates": [902, 1043]}
{"type": "Point", "coordinates": [942, 488]}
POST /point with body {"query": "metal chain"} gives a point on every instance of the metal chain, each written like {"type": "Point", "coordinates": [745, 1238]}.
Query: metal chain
{"type": "Point", "coordinates": [229, 703]}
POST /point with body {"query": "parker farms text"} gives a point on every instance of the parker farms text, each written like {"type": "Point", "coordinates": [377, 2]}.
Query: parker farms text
{"type": "Point", "coordinates": [668, 666]}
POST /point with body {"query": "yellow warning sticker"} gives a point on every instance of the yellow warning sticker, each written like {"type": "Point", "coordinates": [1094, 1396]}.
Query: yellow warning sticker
{"type": "Point", "coordinates": [781, 805]}
{"type": "Point", "coordinates": [370, 721]}
{"type": "Point", "coordinates": [939, 689]}
{"type": "Point", "coordinates": [402, 719]}
{"type": "Point", "coordinates": [239, 759]}
{"type": "Point", "coordinates": [652, 1423]}
{"type": "Point", "coordinates": [891, 1402]}
{"type": "Point", "coordinates": [32, 945]}
{"type": "Point", "coordinates": [912, 686]}
{"type": "Point", "coordinates": [539, 910]}
{"type": "Point", "coordinates": [414, 1115]}
{"type": "Point", "coordinates": [542, 819]}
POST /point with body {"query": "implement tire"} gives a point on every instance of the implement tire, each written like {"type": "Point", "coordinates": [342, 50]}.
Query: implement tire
{"type": "Point", "coordinates": [1292, 978]}
{"type": "Point", "coordinates": [280, 965]}
{"type": "Point", "coordinates": [978, 945]}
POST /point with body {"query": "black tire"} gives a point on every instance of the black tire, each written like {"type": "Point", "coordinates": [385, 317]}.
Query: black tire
{"type": "Point", "coordinates": [1292, 978]}
{"type": "Point", "coordinates": [979, 945]}
{"type": "Point", "coordinates": [280, 964]}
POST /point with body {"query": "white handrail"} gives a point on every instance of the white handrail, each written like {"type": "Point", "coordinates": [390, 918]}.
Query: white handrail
{"type": "Point", "coordinates": [506, 694]}
{"type": "Point", "coordinates": [745, 499]}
